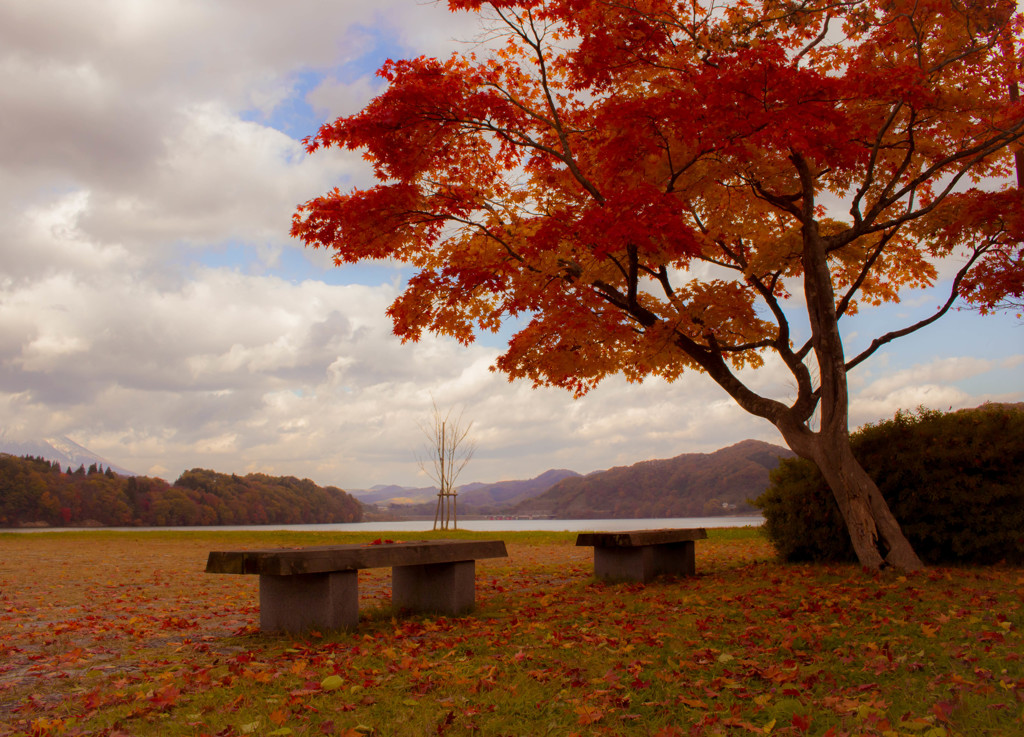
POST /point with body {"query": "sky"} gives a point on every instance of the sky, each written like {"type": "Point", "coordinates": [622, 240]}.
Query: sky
{"type": "Point", "coordinates": [154, 309]}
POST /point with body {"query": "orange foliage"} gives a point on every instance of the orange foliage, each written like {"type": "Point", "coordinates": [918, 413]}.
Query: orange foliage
{"type": "Point", "coordinates": [647, 182]}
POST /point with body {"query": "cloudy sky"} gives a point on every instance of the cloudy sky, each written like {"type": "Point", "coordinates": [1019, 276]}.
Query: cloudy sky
{"type": "Point", "coordinates": [154, 309]}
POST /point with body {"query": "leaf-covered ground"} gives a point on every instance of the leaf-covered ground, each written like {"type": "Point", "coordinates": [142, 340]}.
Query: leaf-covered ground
{"type": "Point", "coordinates": [123, 634]}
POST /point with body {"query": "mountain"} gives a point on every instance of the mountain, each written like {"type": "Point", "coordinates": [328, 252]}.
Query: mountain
{"type": "Point", "coordinates": [505, 493]}
{"type": "Point", "coordinates": [392, 494]}
{"type": "Point", "coordinates": [62, 449]}
{"type": "Point", "coordinates": [689, 485]}
{"type": "Point", "coordinates": [480, 496]}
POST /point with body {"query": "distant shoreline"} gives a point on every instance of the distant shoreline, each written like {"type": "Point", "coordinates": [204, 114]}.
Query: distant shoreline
{"type": "Point", "coordinates": [478, 523]}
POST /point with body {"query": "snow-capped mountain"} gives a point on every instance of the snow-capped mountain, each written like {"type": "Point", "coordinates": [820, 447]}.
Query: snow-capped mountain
{"type": "Point", "coordinates": [61, 449]}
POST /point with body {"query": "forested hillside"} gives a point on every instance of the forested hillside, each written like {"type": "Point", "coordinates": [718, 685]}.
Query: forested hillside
{"type": "Point", "coordinates": [35, 491]}
{"type": "Point", "coordinates": [691, 485]}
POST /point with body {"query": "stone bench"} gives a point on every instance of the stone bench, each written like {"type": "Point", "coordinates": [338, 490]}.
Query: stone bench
{"type": "Point", "coordinates": [640, 555]}
{"type": "Point", "coordinates": [317, 587]}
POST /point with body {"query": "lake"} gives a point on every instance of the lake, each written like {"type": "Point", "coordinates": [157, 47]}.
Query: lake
{"type": "Point", "coordinates": [479, 525]}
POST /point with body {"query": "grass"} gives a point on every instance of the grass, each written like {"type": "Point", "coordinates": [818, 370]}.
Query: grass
{"type": "Point", "coordinates": [121, 633]}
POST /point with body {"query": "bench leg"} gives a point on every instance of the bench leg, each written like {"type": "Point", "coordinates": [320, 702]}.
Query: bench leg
{"type": "Point", "coordinates": [327, 601]}
{"type": "Point", "coordinates": [447, 588]}
{"type": "Point", "coordinates": [674, 559]}
{"type": "Point", "coordinates": [621, 564]}
{"type": "Point", "coordinates": [645, 562]}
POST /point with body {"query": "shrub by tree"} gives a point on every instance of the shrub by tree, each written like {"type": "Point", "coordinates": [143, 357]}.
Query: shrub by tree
{"type": "Point", "coordinates": [649, 186]}
{"type": "Point", "coordinates": [957, 479]}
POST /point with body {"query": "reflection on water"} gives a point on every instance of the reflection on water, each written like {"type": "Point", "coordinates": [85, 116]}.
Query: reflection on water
{"type": "Point", "coordinates": [481, 525]}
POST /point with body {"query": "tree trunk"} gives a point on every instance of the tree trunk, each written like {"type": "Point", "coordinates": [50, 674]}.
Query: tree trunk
{"type": "Point", "coordinates": [876, 535]}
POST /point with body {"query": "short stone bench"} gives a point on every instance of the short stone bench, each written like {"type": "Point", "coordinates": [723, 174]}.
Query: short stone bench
{"type": "Point", "coordinates": [641, 555]}
{"type": "Point", "coordinates": [317, 587]}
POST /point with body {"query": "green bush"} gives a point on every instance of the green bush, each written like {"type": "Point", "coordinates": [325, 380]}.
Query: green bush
{"type": "Point", "coordinates": [955, 482]}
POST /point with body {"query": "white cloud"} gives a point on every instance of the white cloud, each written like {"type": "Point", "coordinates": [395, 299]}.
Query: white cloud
{"type": "Point", "coordinates": [140, 141]}
{"type": "Point", "coordinates": [220, 178]}
{"type": "Point", "coordinates": [944, 370]}
{"type": "Point", "coordinates": [333, 98]}
{"type": "Point", "coordinates": [937, 385]}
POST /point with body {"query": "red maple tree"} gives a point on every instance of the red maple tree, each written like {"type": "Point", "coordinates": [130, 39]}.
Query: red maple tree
{"type": "Point", "coordinates": [664, 185]}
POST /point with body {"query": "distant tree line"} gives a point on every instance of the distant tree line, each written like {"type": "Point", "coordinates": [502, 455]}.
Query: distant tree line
{"type": "Point", "coordinates": [34, 491]}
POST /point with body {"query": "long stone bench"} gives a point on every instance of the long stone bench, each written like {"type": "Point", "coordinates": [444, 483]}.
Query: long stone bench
{"type": "Point", "coordinates": [641, 555]}
{"type": "Point", "coordinates": [317, 587]}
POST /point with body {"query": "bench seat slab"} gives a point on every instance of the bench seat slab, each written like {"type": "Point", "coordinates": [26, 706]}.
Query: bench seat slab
{"type": "Point", "coordinates": [445, 588]}
{"type": "Point", "coordinates": [321, 601]}
{"type": "Point", "coordinates": [636, 538]}
{"type": "Point", "coordinates": [326, 558]}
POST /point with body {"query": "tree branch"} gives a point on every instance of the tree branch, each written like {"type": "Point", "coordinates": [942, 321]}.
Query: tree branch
{"type": "Point", "coordinates": [893, 335]}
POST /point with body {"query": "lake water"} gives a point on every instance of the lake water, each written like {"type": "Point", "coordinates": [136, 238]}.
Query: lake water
{"type": "Point", "coordinates": [479, 525]}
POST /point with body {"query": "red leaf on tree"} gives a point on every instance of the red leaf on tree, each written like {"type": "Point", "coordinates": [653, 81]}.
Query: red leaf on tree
{"type": "Point", "coordinates": [578, 177]}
